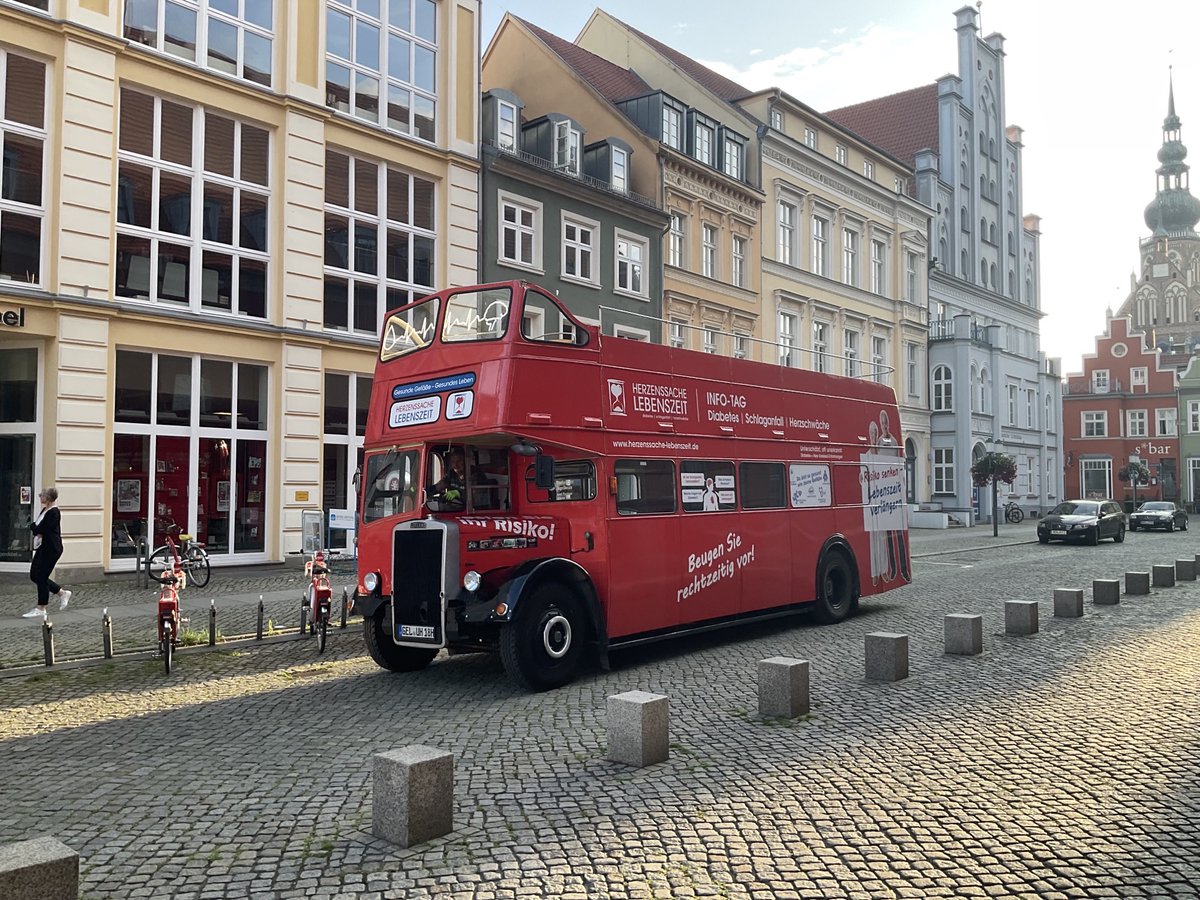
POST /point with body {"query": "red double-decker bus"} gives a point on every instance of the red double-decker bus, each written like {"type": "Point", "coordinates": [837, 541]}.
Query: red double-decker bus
{"type": "Point", "coordinates": [533, 487]}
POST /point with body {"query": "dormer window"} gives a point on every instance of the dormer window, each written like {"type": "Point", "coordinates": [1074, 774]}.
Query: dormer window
{"type": "Point", "coordinates": [869, 169]}
{"type": "Point", "coordinates": [620, 170]}
{"type": "Point", "coordinates": [506, 126]}
{"type": "Point", "coordinates": [705, 136]}
{"type": "Point", "coordinates": [566, 147]}
{"type": "Point", "coordinates": [810, 138]}
{"type": "Point", "coordinates": [777, 119]}
{"type": "Point", "coordinates": [733, 158]}
{"type": "Point", "coordinates": [672, 127]}
{"type": "Point", "coordinates": [839, 153]}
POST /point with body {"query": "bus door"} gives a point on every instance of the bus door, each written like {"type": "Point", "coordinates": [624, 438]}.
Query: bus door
{"type": "Point", "coordinates": [813, 520]}
{"type": "Point", "coordinates": [715, 543]}
{"type": "Point", "coordinates": [764, 559]}
{"type": "Point", "coordinates": [644, 547]}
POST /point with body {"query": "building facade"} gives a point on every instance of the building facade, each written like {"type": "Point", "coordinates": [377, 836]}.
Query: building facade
{"type": "Point", "coordinates": [1188, 422]}
{"type": "Point", "coordinates": [1122, 408]}
{"type": "Point", "coordinates": [991, 387]}
{"type": "Point", "coordinates": [207, 209]}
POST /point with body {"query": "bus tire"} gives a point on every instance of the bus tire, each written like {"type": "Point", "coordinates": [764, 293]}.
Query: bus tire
{"type": "Point", "coordinates": [382, 649]}
{"type": "Point", "coordinates": [835, 588]}
{"type": "Point", "coordinates": [542, 647]}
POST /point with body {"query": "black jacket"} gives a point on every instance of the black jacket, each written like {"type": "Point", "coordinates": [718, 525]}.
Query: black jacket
{"type": "Point", "coordinates": [50, 528]}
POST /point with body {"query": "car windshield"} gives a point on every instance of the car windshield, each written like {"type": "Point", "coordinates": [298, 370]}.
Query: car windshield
{"type": "Point", "coordinates": [1071, 508]}
{"type": "Point", "coordinates": [1157, 505]}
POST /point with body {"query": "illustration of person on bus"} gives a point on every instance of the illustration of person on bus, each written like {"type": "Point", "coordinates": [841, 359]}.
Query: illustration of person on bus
{"type": "Point", "coordinates": [711, 501]}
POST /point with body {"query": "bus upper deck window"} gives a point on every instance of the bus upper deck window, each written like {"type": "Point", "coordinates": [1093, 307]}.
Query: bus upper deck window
{"type": "Point", "coordinates": [477, 315]}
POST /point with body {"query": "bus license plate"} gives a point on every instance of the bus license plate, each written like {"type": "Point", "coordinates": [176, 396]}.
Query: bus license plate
{"type": "Point", "coordinates": [1058, 532]}
{"type": "Point", "coordinates": [417, 631]}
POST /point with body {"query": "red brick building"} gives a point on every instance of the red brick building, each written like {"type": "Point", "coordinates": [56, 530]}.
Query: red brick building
{"type": "Point", "coordinates": [1123, 407]}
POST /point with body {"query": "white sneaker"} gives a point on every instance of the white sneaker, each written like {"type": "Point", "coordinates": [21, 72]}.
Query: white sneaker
{"type": "Point", "coordinates": [35, 613]}
{"type": "Point", "coordinates": [66, 598]}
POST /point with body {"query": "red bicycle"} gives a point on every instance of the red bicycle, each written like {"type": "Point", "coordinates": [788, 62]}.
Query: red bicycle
{"type": "Point", "coordinates": [319, 596]}
{"type": "Point", "coordinates": [169, 620]}
{"type": "Point", "coordinates": [181, 551]}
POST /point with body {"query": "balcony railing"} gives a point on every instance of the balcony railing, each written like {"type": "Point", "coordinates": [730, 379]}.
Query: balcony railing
{"type": "Point", "coordinates": [943, 330]}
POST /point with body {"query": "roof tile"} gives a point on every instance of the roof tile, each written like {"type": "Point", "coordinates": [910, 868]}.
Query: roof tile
{"type": "Point", "coordinates": [610, 80]}
{"type": "Point", "coordinates": [901, 124]}
{"type": "Point", "coordinates": [723, 87]}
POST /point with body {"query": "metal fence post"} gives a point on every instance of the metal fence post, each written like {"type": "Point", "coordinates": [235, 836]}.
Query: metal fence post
{"type": "Point", "coordinates": [303, 616]}
{"type": "Point", "coordinates": [48, 641]}
{"type": "Point", "coordinates": [106, 634]}
{"type": "Point", "coordinates": [212, 623]}
{"type": "Point", "coordinates": [258, 632]}
{"type": "Point", "coordinates": [345, 608]}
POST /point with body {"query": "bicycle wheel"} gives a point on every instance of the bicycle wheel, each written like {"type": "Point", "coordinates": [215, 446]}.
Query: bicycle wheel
{"type": "Point", "coordinates": [168, 646]}
{"type": "Point", "coordinates": [322, 630]}
{"type": "Point", "coordinates": [161, 560]}
{"type": "Point", "coordinates": [197, 567]}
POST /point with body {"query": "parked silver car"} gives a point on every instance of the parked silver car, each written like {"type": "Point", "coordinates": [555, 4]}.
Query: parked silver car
{"type": "Point", "coordinates": [1159, 514]}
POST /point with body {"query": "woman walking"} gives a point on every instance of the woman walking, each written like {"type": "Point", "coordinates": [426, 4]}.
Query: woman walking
{"type": "Point", "coordinates": [47, 548]}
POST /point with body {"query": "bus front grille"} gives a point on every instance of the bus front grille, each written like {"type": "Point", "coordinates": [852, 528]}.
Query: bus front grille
{"type": "Point", "coordinates": [417, 559]}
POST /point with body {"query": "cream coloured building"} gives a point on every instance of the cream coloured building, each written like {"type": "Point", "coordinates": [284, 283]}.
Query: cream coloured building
{"type": "Point", "coordinates": [207, 207]}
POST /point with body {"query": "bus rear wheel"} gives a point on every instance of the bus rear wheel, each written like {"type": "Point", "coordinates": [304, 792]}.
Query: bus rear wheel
{"type": "Point", "coordinates": [382, 649]}
{"type": "Point", "coordinates": [835, 588]}
{"type": "Point", "coordinates": [542, 647]}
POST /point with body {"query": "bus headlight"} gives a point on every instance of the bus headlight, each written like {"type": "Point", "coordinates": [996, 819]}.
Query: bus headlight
{"type": "Point", "coordinates": [371, 582]}
{"type": "Point", "coordinates": [472, 580]}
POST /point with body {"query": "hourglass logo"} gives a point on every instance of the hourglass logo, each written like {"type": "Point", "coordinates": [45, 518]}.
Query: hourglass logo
{"type": "Point", "coordinates": [616, 396]}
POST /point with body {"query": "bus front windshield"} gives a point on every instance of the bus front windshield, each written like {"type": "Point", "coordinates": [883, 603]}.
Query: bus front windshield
{"type": "Point", "coordinates": [477, 315]}
{"type": "Point", "coordinates": [390, 486]}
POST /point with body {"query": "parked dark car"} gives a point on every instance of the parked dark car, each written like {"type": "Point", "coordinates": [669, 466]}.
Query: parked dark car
{"type": "Point", "coordinates": [1158, 514]}
{"type": "Point", "coordinates": [1083, 520]}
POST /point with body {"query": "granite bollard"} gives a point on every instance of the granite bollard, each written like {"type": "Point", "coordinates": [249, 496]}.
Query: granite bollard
{"type": "Point", "coordinates": [412, 795]}
{"type": "Point", "coordinates": [782, 687]}
{"type": "Point", "coordinates": [1106, 591]}
{"type": "Point", "coordinates": [1137, 584]}
{"type": "Point", "coordinates": [41, 869]}
{"type": "Point", "coordinates": [1068, 603]}
{"type": "Point", "coordinates": [1020, 616]}
{"type": "Point", "coordinates": [1185, 570]}
{"type": "Point", "coordinates": [887, 656]}
{"type": "Point", "coordinates": [1164, 576]}
{"type": "Point", "coordinates": [963, 634]}
{"type": "Point", "coordinates": [638, 728]}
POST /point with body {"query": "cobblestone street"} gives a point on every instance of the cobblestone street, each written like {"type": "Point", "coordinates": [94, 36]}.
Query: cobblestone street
{"type": "Point", "coordinates": [1059, 765]}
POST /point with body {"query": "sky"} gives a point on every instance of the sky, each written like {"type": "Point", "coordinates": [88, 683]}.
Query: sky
{"type": "Point", "coordinates": [1087, 84]}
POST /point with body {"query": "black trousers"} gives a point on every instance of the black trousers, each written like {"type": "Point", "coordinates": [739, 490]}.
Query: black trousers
{"type": "Point", "coordinates": [39, 574]}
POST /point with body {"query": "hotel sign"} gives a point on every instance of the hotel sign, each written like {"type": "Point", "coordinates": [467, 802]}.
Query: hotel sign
{"type": "Point", "coordinates": [13, 318]}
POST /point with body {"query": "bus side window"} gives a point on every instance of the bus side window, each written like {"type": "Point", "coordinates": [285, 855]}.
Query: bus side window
{"type": "Point", "coordinates": [764, 485]}
{"type": "Point", "coordinates": [707, 486]}
{"type": "Point", "coordinates": [574, 479]}
{"type": "Point", "coordinates": [645, 486]}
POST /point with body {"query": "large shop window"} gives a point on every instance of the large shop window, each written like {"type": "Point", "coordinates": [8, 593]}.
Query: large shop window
{"type": "Point", "coordinates": [190, 448]}
{"type": "Point", "coordinates": [379, 241]}
{"type": "Point", "coordinates": [192, 207]}
{"type": "Point", "coordinates": [18, 415]}
{"type": "Point", "coordinates": [345, 422]}
{"type": "Point", "coordinates": [229, 36]}
{"type": "Point", "coordinates": [22, 185]}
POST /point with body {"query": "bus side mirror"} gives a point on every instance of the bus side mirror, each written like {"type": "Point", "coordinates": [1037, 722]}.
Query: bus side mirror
{"type": "Point", "coordinates": [543, 471]}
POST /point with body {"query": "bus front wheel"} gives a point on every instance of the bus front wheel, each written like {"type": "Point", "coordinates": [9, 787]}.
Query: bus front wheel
{"type": "Point", "coordinates": [542, 647]}
{"type": "Point", "coordinates": [384, 651]}
{"type": "Point", "coordinates": [835, 588]}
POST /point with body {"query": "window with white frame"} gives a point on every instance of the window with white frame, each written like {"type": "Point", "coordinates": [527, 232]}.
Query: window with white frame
{"type": "Point", "coordinates": [192, 207]}
{"type": "Point", "coordinates": [777, 119]}
{"type": "Point", "coordinates": [566, 147]}
{"type": "Point", "coordinates": [820, 346]}
{"type": "Point", "coordinates": [346, 400]}
{"type": "Point", "coordinates": [230, 36]}
{"type": "Point", "coordinates": [677, 333]}
{"type": "Point", "coordinates": [787, 339]}
{"type": "Point", "coordinates": [1012, 404]}
{"type": "Point", "coordinates": [672, 127]}
{"type": "Point", "coordinates": [786, 231]}
{"type": "Point", "coordinates": [23, 198]}
{"type": "Point", "coordinates": [868, 168]}
{"type": "Point", "coordinates": [1137, 376]}
{"type": "Point", "coordinates": [733, 158]}
{"type": "Point", "coordinates": [899, 184]}
{"type": "Point", "coordinates": [381, 63]}
{"type": "Point", "coordinates": [1193, 416]}
{"type": "Point", "coordinates": [1100, 381]}
{"type": "Point", "coordinates": [708, 250]}
{"type": "Point", "coordinates": [1135, 423]}
{"type": "Point", "coordinates": [850, 352]}
{"type": "Point", "coordinates": [1031, 408]}
{"type": "Point", "coordinates": [820, 245]}
{"type": "Point", "coordinates": [1049, 420]}
{"type": "Point", "coordinates": [1096, 478]}
{"type": "Point", "coordinates": [520, 231]}
{"type": "Point", "coordinates": [943, 470]}
{"type": "Point", "coordinates": [1165, 421]}
{"type": "Point", "coordinates": [849, 256]}
{"type": "Point", "coordinates": [380, 240]}
{"type": "Point", "coordinates": [705, 138]}
{"type": "Point", "coordinates": [943, 389]}
{"type": "Point", "coordinates": [879, 359]}
{"type": "Point", "coordinates": [912, 382]}
{"type": "Point", "coordinates": [631, 261]}
{"type": "Point", "coordinates": [1095, 423]}
{"type": "Point", "coordinates": [839, 153]}
{"type": "Point", "coordinates": [506, 126]}
{"type": "Point", "coordinates": [626, 331]}
{"type": "Point", "coordinates": [43, 5]}
{"type": "Point", "coordinates": [710, 340]}
{"type": "Point", "coordinates": [810, 138]}
{"type": "Point", "coordinates": [741, 345]}
{"type": "Point", "coordinates": [675, 245]}
{"type": "Point", "coordinates": [878, 271]}
{"type": "Point", "coordinates": [738, 270]}
{"type": "Point", "coordinates": [620, 170]}
{"type": "Point", "coordinates": [910, 277]}
{"type": "Point", "coordinates": [578, 243]}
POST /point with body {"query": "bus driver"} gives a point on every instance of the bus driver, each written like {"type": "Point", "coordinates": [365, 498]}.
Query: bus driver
{"type": "Point", "coordinates": [452, 487]}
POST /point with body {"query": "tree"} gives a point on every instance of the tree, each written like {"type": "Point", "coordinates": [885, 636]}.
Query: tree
{"type": "Point", "coordinates": [993, 468]}
{"type": "Point", "coordinates": [1135, 473]}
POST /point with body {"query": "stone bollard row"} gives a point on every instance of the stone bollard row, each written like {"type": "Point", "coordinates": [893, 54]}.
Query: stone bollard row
{"type": "Point", "coordinates": [412, 795]}
{"type": "Point", "coordinates": [1137, 584]}
{"type": "Point", "coordinates": [1020, 617]}
{"type": "Point", "coordinates": [783, 687]}
{"type": "Point", "coordinates": [1106, 591]}
{"type": "Point", "coordinates": [1164, 576]}
{"type": "Point", "coordinates": [638, 728]}
{"type": "Point", "coordinates": [887, 656]}
{"type": "Point", "coordinates": [963, 635]}
{"type": "Point", "coordinates": [1185, 570]}
{"type": "Point", "coordinates": [1068, 603]}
